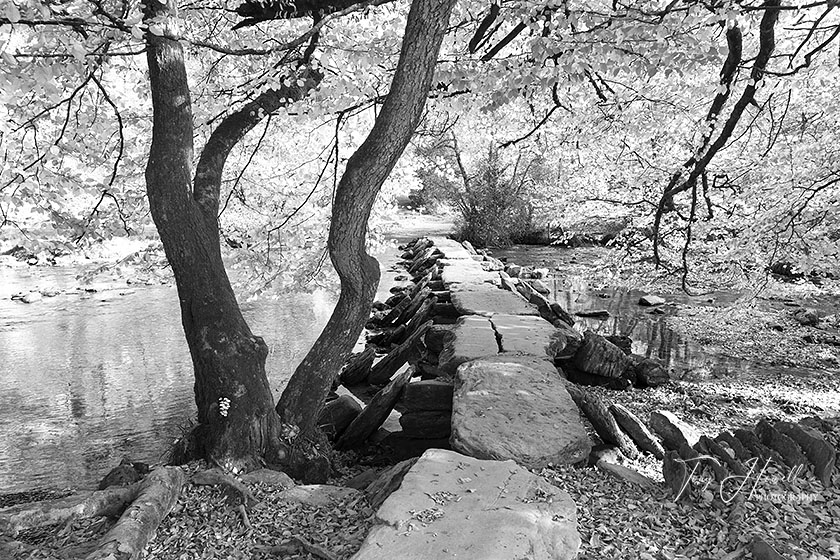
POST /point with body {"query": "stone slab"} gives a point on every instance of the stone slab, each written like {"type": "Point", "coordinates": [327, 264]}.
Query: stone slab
{"type": "Point", "coordinates": [470, 338]}
{"type": "Point", "coordinates": [451, 249]}
{"type": "Point", "coordinates": [504, 409]}
{"type": "Point", "coordinates": [452, 506]}
{"type": "Point", "coordinates": [457, 271]}
{"type": "Point", "coordinates": [526, 334]}
{"type": "Point", "coordinates": [488, 300]}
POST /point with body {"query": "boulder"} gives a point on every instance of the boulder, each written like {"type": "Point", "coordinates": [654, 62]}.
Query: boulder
{"type": "Point", "coordinates": [806, 317]}
{"type": "Point", "coordinates": [427, 424]}
{"type": "Point", "coordinates": [337, 414]}
{"type": "Point", "coordinates": [385, 368]}
{"type": "Point", "coordinates": [622, 341]}
{"type": "Point", "coordinates": [431, 394]}
{"type": "Point", "coordinates": [357, 368]}
{"type": "Point", "coordinates": [599, 357]}
{"type": "Point", "coordinates": [318, 495]}
{"type": "Point", "coordinates": [637, 430]}
{"type": "Point", "coordinates": [791, 453]}
{"type": "Point", "coordinates": [741, 452]}
{"type": "Point", "coordinates": [820, 453]}
{"type": "Point", "coordinates": [594, 314]}
{"type": "Point", "coordinates": [504, 408]}
{"type": "Point", "coordinates": [651, 300]}
{"type": "Point", "coordinates": [673, 431]}
{"type": "Point", "coordinates": [517, 334]}
{"type": "Point", "coordinates": [472, 337]}
{"type": "Point", "coordinates": [387, 482]}
{"type": "Point", "coordinates": [712, 447]}
{"type": "Point", "coordinates": [374, 414]}
{"type": "Point", "coordinates": [598, 414]}
{"type": "Point", "coordinates": [648, 372]}
{"type": "Point", "coordinates": [756, 448]}
{"type": "Point", "coordinates": [452, 506]}
{"type": "Point", "coordinates": [540, 286]}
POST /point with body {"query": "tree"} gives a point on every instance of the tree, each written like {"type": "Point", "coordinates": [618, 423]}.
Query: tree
{"type": "Point", "coordinates": [235, 410]}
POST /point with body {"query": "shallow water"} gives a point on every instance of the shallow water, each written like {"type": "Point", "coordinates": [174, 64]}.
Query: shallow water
{"type": "Point", "coordinates": [88, 378]}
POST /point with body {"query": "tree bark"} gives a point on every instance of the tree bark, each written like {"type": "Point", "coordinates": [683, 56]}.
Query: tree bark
{"type": "Point", "coordinates": [126, 540]}
{"type": "Point", "coordinates": [237, 424]}
{"type": "Point", "coordinates": [364, 175]}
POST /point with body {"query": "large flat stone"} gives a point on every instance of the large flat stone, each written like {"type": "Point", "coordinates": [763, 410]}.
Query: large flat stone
{"type": "Point", "coordinates": [505, 409]}
{"type": "Point", "coordinates": [488, 300]}
{"type": "Point", "coordinates": [451, 249]}
{"type": "Point", "coordinates": [472, 337]}
{"type": "Point", "coordinates": [452, 506]}
{"type": "Point", "coordinates": [526, 334]}
{"type": "Point", "coordinates": [464, 271]}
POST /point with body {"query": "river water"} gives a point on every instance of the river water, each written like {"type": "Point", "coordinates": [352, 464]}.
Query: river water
{"type": "Point", "coordinates": [88, 378]}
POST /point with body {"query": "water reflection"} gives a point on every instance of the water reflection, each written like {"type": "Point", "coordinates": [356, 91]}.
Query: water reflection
{"type": "Point", "coordinates": [89, 378]}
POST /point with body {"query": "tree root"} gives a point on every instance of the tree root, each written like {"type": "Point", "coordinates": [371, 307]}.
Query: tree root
{"type": "Point", "coordinates": [109, 502]}
{"type": "Point", "coordinates": [157, 494]}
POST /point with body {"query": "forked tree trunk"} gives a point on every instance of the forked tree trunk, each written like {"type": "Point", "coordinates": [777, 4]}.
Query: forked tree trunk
{"type": "Point", "coordinates": [364, 175]}
{"type": "Point", "coordinates": [237, 423]}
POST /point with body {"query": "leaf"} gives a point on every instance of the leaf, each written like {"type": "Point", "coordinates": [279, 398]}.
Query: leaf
{"type": "Point", "coordinates": [12, 12]}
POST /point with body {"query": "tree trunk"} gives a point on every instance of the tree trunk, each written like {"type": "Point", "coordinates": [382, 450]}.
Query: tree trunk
{"type": "Point", "coordinates": [237, 423]}
{"type": "Point", "coordinates": [366, 171]}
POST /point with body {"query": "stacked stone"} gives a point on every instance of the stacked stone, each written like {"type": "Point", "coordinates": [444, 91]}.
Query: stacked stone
{"type": "Point", "coordinates": [427, 408]}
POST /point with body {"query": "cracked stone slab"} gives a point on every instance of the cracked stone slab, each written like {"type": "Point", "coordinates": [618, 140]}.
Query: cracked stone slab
{"type": "Point", "coordinates": [453, 506]}
{"type": "Point", "coordinates": [464, 272]}
{"type": "Point", "coordinates": [504, 408]}
{"type": "Point", "coordinates": [488, 300]}
{"type": "Point", "coordinates": [525, 334]}
{"type": "Point", "coordinates": [472, 337]}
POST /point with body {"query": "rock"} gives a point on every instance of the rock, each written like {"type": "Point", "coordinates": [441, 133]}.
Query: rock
{"type": "Point", "coordinates": [492, 264]}
{"type": "Point", "coordinates": [562, 314]}
{"type": "Point", "coordinates": [430, 394]}
{"type": "Point", "coordinates": [637, 430]}
{"type": "Point", "coordinates": [401, 446]}
{"type": "Point", "coordinates": [625, 343]}
{"type": "Point", "coordinates": [357, 368]}
{"type": "Point", "coordinates": [627, 474]}
{"type": "Point", "coordinates": [508, 409]}
{"type": "Point", "coordinates": [598, 414]}
{"type": "Point", "coordinates": [605, 452]}
{"type": "Point", "coordinates": [675, 472]}
{"type": "Point", "coordinates": [806, 317]}
{"type": "Point", "coordinates": [374, 414]}
{"type": "Point", "coordinates": [599, 357]}
{"type": "Point", "coordinates": [594, 313]}
{"type": "Point", "coordinates": [268, 477]}
{"type": "Point", "coordinates": [762, 550]}
{"type": "Point", "coordinates": [427, 424]}
{"type": "Point", "coordinates": [712, 447]}
{"type": "Point", "coordinates": [513, 270]}
{"type": "Point", "coordinates": [648, 372]}
{"type": "Point", "coordinates": [472, 337]}
{"type": "Point", "coordinates": [819, 452]}
{"type": "Point", "coordinates": [517, 334]}
{"type": "Point", "coordinates": [31, 297]}
{"type": "Point", "coordinates": [452, 506]}
{"type": "Point", "coordinates": [469, 247]}
{"type": "Point", "coordinates": [540, 286]}
{"type": "Point", "coordinates": [388, 482]}
{"type": "Point", "coordinates": [756, 448]}
{"type": "Point", "coordinates": [125, 474]}
{"type": "Point", "coordinates": [319, 495]}
{"type": "Point", "coordinates": [673, 431]}
{"type": "Point", "coordinates": [791, 453]}
{"type": "Point", "coordinates": [582, 378]}
{"type": "Point", "coordinates": [488, 300]}
{"type": "Point", "coordinates": [362, 480]}
{"type": "Point", "coordinates": [741, 452]}
{"type": "Point", "coordinates": [651, 301]}
{"type": "Point", "coordinates": [337, 414]}
{"type": "Point", "coordinates": [384, 369]}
